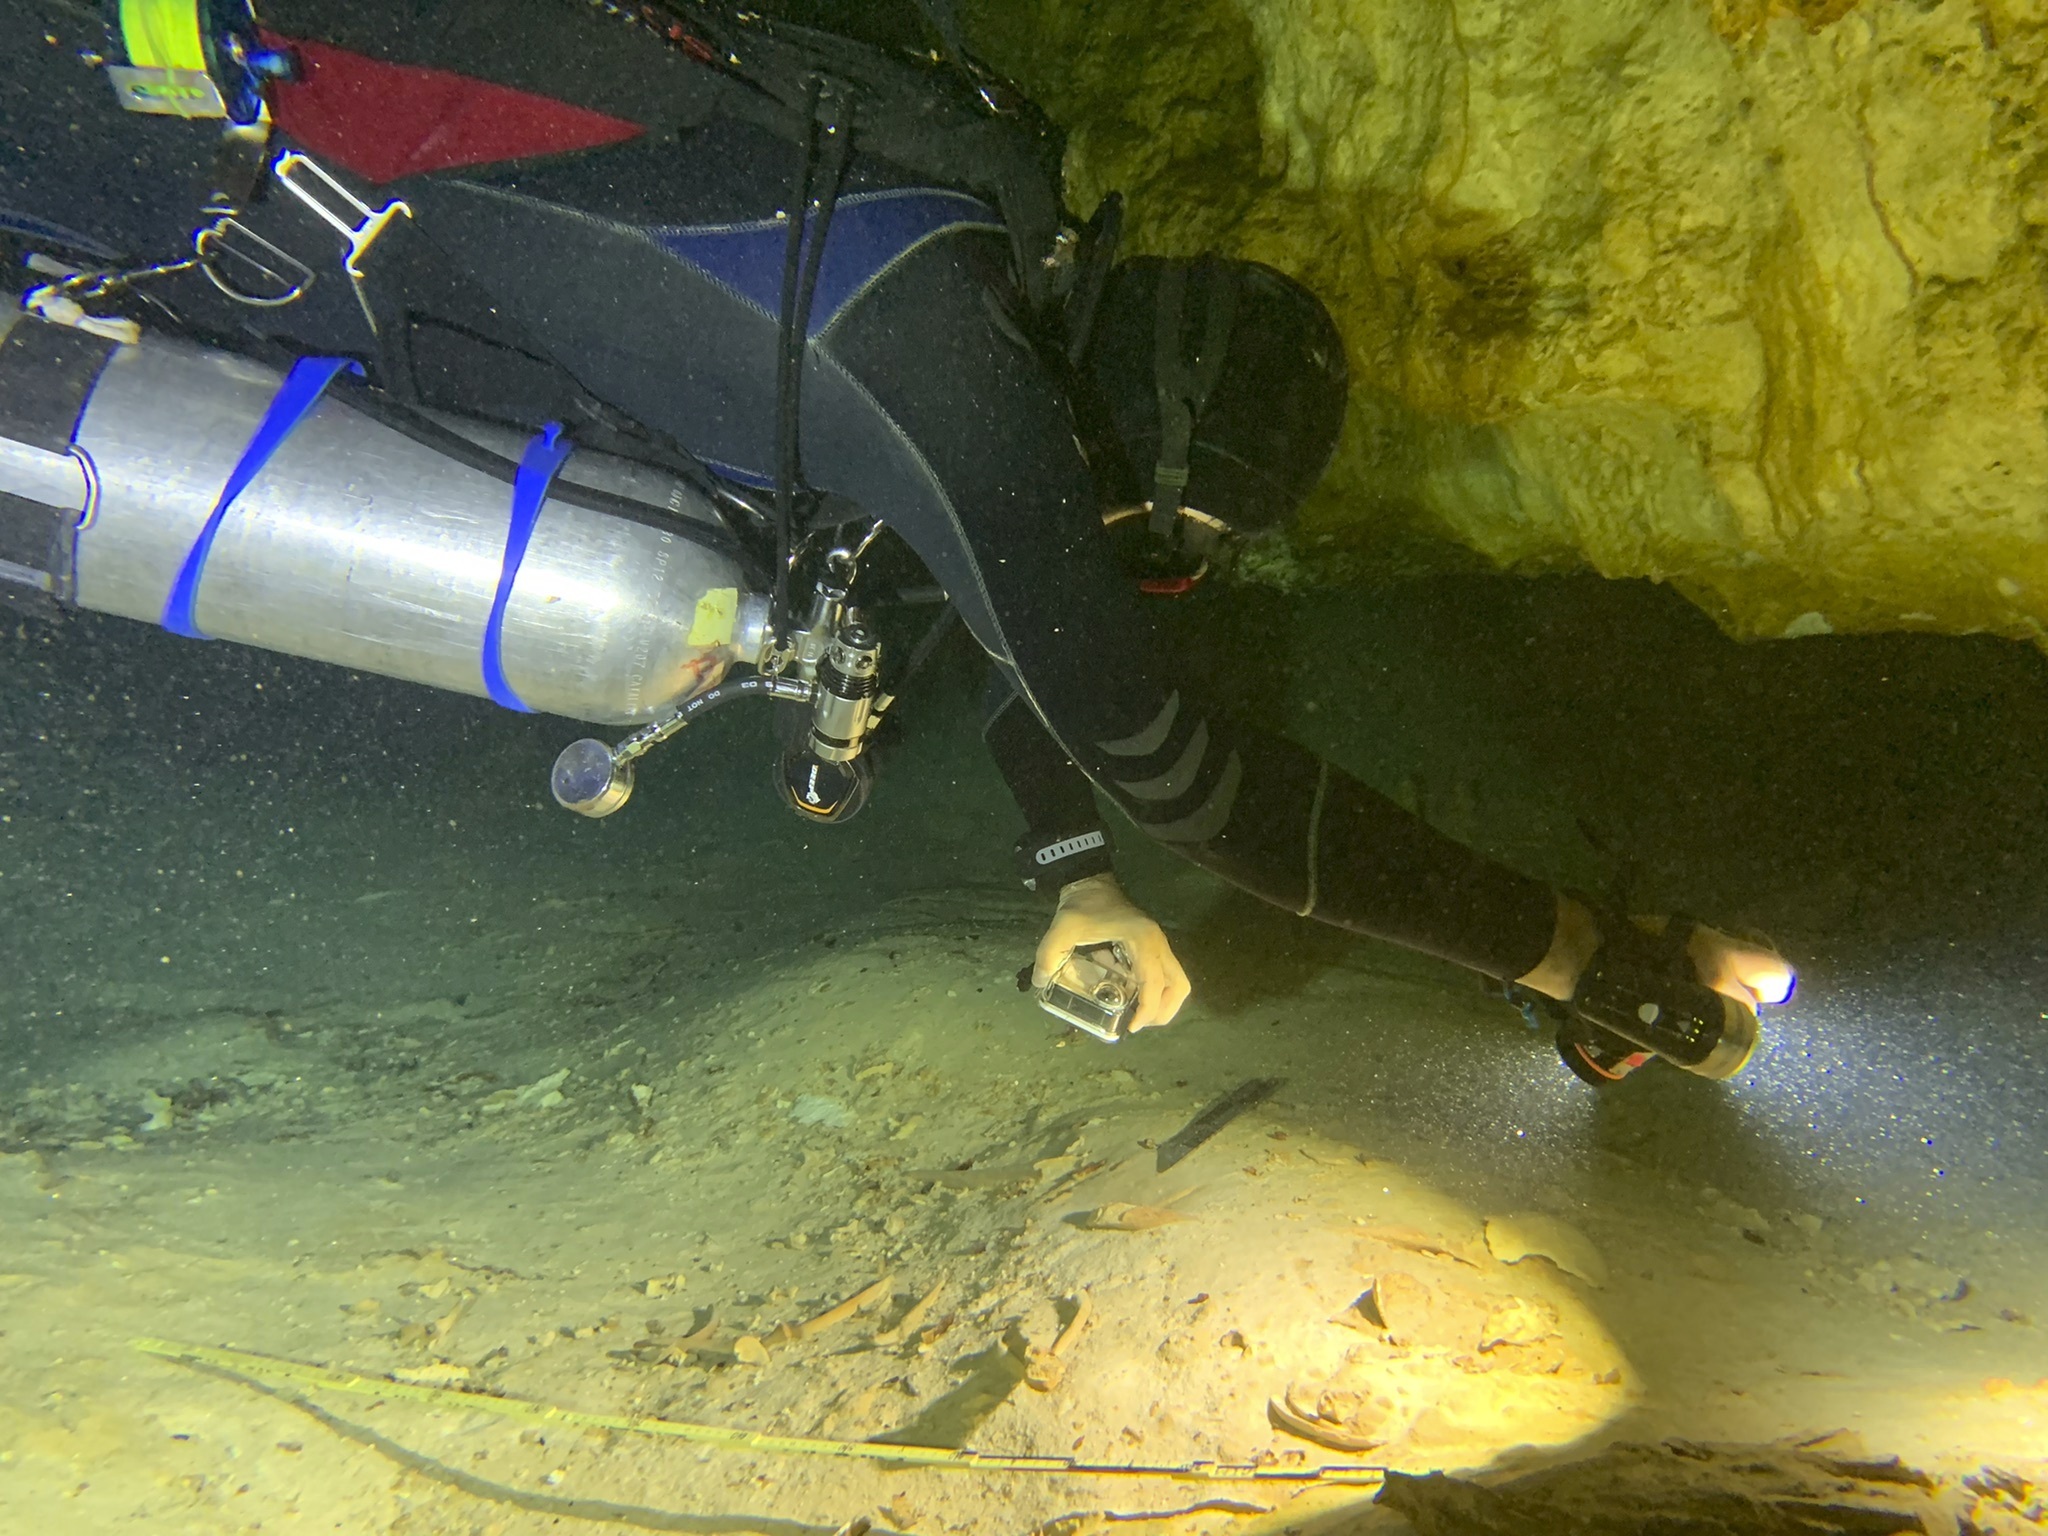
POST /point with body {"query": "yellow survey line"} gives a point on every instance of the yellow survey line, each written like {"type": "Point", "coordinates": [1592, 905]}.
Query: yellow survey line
{"type": "Point", "coordinates": [296, 1373]}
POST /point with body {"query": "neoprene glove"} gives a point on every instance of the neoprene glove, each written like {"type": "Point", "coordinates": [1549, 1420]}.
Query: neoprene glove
{"type": "Point", "coordinates": [1096, 911]}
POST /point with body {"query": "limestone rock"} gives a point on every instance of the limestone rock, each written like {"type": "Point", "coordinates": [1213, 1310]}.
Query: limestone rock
{"type": "Point", "coordinates": [1531, 1234]}
{"type": "Point", "coordinates": [1740, 294]}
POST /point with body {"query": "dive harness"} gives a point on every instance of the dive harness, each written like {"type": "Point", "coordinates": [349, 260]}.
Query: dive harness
{"type": "Point", "coordinates": [1184, 384]}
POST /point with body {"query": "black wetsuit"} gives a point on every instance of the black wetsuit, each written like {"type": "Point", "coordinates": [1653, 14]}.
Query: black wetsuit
{"type": "Point", "coordinates": [644, 275]}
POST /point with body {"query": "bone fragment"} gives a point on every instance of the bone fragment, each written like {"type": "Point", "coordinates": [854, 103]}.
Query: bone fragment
{"type": "Point", "coordinates": [907, 1324]}
{"type": "Point", "coordinates": [1305, 1425]}
{"type": "Point", "coordinates": [1121, 1217]}
{"type": "Point", "coordinates": [845, 1309]}
{"type": "Point", "coordinates": [1045, 1369]}
{"type": "Point", "coordinates": [1084, 1309]}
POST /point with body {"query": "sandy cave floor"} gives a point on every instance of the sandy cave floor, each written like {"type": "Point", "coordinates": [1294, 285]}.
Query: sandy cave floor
{"type": "Point", "coordinates": [294, 962]}
{"type": "Point", "coordinates": [395, 1194]}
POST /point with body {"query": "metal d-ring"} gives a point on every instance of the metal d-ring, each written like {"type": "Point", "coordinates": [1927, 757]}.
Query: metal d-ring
{"type": "Point", "coordinates": [252, 269]}
{"type": "Point", "coordinates": [227, 238]}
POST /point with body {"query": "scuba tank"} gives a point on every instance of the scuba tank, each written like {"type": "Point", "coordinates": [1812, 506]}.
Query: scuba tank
{"type": "Point", "coordinates": [175, 483]}
{"type": "Point", "coordinates": [357, 543]}
{"type": "Point", "coordinates": [178, 484]}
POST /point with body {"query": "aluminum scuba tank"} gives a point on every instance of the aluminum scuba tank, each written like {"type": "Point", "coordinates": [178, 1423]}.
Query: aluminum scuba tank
{"type": "Point", "coordinates": [357, 544]}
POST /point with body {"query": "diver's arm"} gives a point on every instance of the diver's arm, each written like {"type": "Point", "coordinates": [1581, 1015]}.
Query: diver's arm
{"type": "Point", "coordinates": [1366, 858]}
{"type": "Point", "coordinates": [1572, 946]}
{"type": "Point", "coordinates": [1751, 974]}
{"type": "Point", "coordinates": [1064, 837]}
{"type": "Point", "coordinates": [1066, 849]}
{"type": "Point", "coordinates": [1000, 503]}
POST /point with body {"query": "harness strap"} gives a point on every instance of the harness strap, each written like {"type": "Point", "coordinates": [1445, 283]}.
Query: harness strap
{"type": "Point", "coordinates": [1183, 384]}
{"type": "Point", "coordinates": [294, 400]}
{"type": "Point", "coordinates": [538, 466]}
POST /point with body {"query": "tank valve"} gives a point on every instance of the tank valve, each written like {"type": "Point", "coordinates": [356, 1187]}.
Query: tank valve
{"type": "Point", "coordinates": [833, 665]}
{"type": "Point", "coordinates": [825, 778]}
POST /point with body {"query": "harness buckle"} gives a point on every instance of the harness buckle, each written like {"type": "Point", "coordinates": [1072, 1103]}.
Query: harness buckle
{"type": "Point", "coordinates": [252, 269]}
{"type": "Point", "coordinates": [334, 205]}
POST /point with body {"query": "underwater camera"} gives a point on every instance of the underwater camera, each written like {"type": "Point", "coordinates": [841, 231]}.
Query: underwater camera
{"type": "Point", "coordinates": [1095, 991]}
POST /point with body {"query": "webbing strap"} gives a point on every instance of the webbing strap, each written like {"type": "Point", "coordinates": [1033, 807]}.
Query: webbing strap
{"type": "Point", "coordinates": [1184, 385]}
{"type": "Point", "coordinates": [1176, 415]}
{"type": "Point", "coordinates": [163, 34]}
{"type": "Point", "coordinates": [47, 373]}
{"type": "Point", "coordinates": [294, 399]}
{"type": "Point", "coordinates": [538, 466]}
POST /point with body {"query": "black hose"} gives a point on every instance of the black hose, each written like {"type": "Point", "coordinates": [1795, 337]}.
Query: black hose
{"type": "Point", "coordinates": [741, 511]}
{"type": "Point", "coordinates": [450, 444]}
{"type": "Point", "coordinates": [829, 126]}
{"type": "Point", "coordinates": [926, 647]}
{"type": "Point", "coordinates": [725, 693]}
{"type": "Point", "coordinates": [789, 342]}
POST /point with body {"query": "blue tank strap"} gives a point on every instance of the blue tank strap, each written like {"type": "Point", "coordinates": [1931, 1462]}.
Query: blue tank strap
{"type": "Point", "coordinates": [543, 459]}
{"type": "Point", "coordinates": [295, 397]}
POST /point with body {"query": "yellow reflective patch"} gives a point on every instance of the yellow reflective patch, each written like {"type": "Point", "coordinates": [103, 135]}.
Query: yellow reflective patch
{"type": "Point", "coordinates": [163, 34]}
{"type": "Point", "coordinates": [717, 612]}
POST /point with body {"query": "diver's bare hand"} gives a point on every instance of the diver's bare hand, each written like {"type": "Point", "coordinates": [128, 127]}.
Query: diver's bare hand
{"type": "Point", "coordinates": [1752, 974]}
{"type": "Point", "coordinates": [1096, 911]}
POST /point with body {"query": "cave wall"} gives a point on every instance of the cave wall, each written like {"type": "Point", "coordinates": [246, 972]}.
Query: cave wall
{"type": "Point", "coordinates": [1740, 294]}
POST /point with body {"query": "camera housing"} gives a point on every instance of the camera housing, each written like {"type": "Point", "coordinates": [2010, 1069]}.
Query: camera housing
{"type": "Point", "coordinates": [1094, 991]}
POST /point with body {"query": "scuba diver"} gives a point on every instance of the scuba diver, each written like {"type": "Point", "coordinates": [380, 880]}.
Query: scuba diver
{"type": "Point", "coordinates": [573, 353]}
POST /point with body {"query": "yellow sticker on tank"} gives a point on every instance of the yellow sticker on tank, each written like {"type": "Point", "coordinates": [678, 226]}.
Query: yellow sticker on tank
{"type": "Point", "coordinates": [717, 612]}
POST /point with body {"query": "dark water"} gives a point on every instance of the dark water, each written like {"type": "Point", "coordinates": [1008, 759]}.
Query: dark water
{"type": "Point", "coordinates": [1873, 805]}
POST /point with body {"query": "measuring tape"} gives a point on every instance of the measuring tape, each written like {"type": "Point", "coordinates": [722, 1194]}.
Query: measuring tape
{"type": "Point", "coordinates": [269, 1369]}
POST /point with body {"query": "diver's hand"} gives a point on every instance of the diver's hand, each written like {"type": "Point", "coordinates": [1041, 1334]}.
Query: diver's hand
{"type": "Point", "coordinates": [1096, 911]}
{"type": "Point", "coordinates": [1749, 973]}
{"type": "Point", "coordinates": [1752, 974]}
